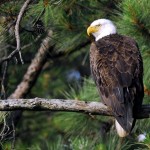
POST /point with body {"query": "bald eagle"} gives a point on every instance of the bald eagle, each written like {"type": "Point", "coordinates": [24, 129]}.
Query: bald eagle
{"type": "Point", "coordinates": [117, 68]}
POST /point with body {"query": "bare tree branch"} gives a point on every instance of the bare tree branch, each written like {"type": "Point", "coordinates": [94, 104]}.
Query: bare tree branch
{"type": "Point", "coordinates": [34, 69]}
{"type": "Point", "coordinates": [3, 84]}
{"type": "Point", "coordinates": [30, 77]}
{"type": "Point", "coordinates": [71, 50]}
{"type": "Point", "coordinates": [11, 55]}
{"type": "Point", "coordinates": [22, 10]}
{"type": "Point", "coordinates": [17, 35]}
{"type": "Point", "coordinates": [40, 104]}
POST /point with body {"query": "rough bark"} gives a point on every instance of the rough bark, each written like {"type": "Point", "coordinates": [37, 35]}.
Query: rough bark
{"type": "Point", "coordinates": [34, 69]}
{"type": "Point", "coordinates": [41, 104]}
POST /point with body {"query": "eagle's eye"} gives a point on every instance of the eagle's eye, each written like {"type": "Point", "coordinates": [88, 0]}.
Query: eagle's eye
{"type": "Point", "coordinates": [98, 25]}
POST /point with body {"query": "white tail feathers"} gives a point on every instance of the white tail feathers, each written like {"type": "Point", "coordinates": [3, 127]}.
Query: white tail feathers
{"type": "Point", "coordinates": [121, 132]}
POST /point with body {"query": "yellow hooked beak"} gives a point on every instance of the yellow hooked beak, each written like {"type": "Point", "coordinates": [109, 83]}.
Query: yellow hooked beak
{"type": "Point", "coordinates": [92, 29]}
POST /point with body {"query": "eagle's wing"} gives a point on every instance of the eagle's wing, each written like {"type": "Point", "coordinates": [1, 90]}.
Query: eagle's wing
{"type": "Point", "coordinates": [117, 68]}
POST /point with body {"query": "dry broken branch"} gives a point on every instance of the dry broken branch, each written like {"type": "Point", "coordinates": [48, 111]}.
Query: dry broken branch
{"type": "Point", "coordinates": [26, 84]}
{"type": "Point", "coordinates": [17, 35]}
{"type": "Point", "coordinates": [35, 68]}
{"type": "Point", "coordinates": [40, 104]}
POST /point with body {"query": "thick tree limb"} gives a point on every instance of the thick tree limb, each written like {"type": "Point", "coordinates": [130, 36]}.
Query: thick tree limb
{"type": "Point", "coordinates": [39, 104]}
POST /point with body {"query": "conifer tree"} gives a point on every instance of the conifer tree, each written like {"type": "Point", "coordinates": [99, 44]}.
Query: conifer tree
{"type": "Point", "coordinates": [68, 19]}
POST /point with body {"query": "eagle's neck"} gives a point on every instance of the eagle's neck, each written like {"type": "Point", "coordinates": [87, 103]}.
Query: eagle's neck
{"type": "Point", "coordinates": [105, 31]}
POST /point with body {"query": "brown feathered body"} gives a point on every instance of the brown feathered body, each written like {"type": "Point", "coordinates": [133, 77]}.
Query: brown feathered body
{"type": "Point", "coordinates": [117, 68]}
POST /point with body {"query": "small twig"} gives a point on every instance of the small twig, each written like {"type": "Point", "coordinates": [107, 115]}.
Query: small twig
{"type": "Point", "coordinates": [84, 7]}
{"type": "Point", "coordinates": [14, 137]}
{"type": "Point", "coordinates": [17, 35]}
{"type": "Point", "coordinates": [3, 92]}
{"type": "Point", "coordinates": [28, 45]}
{"type": "Point", "coordinates": [5, 130]}
{"type": "Point", "coordinates": [12, 54]}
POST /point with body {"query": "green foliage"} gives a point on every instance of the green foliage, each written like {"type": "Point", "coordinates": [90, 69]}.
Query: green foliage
{"type": "Point", "coordinates": [147, 140]}
{"type": "Point", "coordinates": [134, 22]}
{"type": "Point", "coordinates": [86, 92]}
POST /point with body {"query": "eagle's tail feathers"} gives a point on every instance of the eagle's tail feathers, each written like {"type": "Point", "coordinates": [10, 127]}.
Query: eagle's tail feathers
{"type": "Point", "coordinates": [124, 124]}
{"type": "Point", "coordinates": [121, 132]}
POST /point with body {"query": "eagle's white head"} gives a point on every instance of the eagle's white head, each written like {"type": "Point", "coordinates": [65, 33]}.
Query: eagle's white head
{"type": "Point", "coordinates": [100, 28]}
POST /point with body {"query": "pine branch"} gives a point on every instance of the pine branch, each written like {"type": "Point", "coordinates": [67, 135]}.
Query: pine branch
{"type": "Point", "coordinates": [41, 104]}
